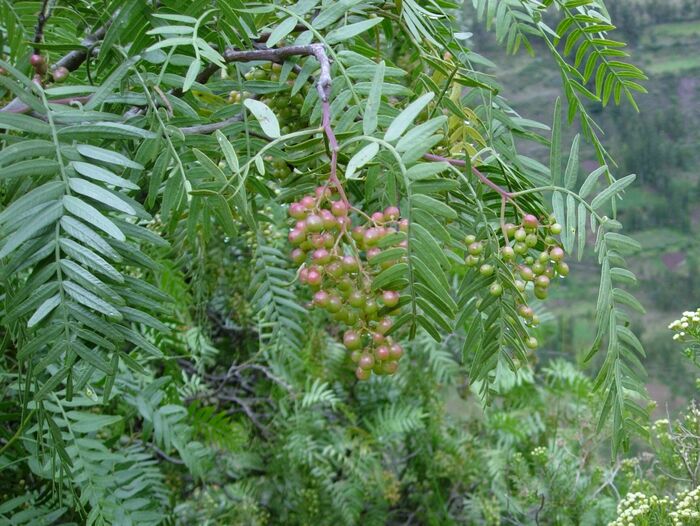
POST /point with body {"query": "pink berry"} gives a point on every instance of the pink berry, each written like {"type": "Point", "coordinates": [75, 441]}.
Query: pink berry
{"type": "Point", "coordinates": [382, 353]}
{"type": "Point", "coordinates": [530, 221]}
{"type": "Point", "coordinates": [391, 213]}
{"type": "Point", "coordinates": [390, 298]}
{"type": "Point", "coordinates": [396, 351]}
{"type": "Point", "coordinates": [308, 202]}
{"type": "Point", "coordinates": [339, 208]}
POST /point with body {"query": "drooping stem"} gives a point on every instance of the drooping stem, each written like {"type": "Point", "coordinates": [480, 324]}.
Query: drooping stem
{"type": "Point", "coordinates": [505, 194]}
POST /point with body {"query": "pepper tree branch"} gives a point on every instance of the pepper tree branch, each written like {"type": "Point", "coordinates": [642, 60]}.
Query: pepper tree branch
{"type": "Point", "coordinates": [40, 22]}
{"type": "Point", "coordinates": [505, 194]}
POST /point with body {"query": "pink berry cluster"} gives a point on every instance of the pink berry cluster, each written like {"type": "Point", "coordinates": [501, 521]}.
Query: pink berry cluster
{"type": "Point", "coordinates": [534, 256]}
{"type": "Point", "coordinates": [339, 262]}
{"type": "Point", "coordinates": [38, 62]}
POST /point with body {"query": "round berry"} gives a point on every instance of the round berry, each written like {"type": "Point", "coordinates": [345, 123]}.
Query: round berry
{"type": "Point", "coordinates": [531, 240]}
{"type": "Point", "coordinates": [520, 235]}
{"type": "Point", "coordinates": [321, 298]}
{"type": "Point", "coordinates": [335, 304]}
{"type": "Point", "coordinates": [390, 367]}
{"type": "Point", "coordinates": [396, 351]}
{"type": "Point", "coordinates": [496, 289]}
{"type": "Point", "coordinates": [469, 239]}
{"type": "Point", "coordinates": [298, 256]}
{"type": "Point", "coordinates": [556, 253]}
{"type": "Point", "coordinates": [390, 298]}
{"type": "Point", "coordinates": [520, 248]}
{"type": "Point", "coordinates": [371, 306]}
{"type": "Point", "coordinates": [475, 248]}
{"type": "Point", "coordinates": [555, 229]}
{"type": "Point", "coordinates": [542, 281]}
{"type": "Point", "coordinates": [296, 237]}
{"type": "Point", "coordinates": [507, 253]}
{"type": "Point", "coordinates": [562, 268]}
{"type": "Point", "coordinates": [373, 252]}
{"type": "Point", "coordinates": [385, 325]}
{"type": "Point", "coordinates": [378, 338]}
{"type": "Point", "coordinates": [510, 229]}
{"type": "Point", "coordinates": [350, 264]}
{"type": "Point", "coordinates": [321, 256]}
{"type": "Point", "coordinates": [37, 60]}
{"type": "Point", "coordinates": [391, 213]}
{"type": "Point", "coordinates": [471, 261]}
{"type": "Point", "coordinates": [378, 217]}
{"type": "Point", "coordinates": [355, 356]}
{"type": "Point", "coordinates": [362, 374]}
{"type": "Point", "coordinates": [322, 192]}
{"type": "Point", "coordinates": [339, 208]}
{"type": "Point", "coordinates": [538, 268]}
{"type": "Point", "coordinates": [403, 225]}
{"type": "Point", "coordinates": [530, 221]}
{"type": "Point", "coordinates": [525, 311]}
{"type": "Point", "coordinates": [486, 270]}
{"type": "Point", "coordinates": [329, 220]}
{"type": "Point", "coordinates": [382, 353]}
{"type": "Point", "coordinates": [335, 269]}
{"type": "Point", "coordinates": [358, 233]}
{"type": "Point", "coordinates": [356, 298]}
{"type": "Point", "coordinates": [314, 223]}
{"type": "Point", "coordinates": [308, 202]}
{"type": "Point", "coordinates": [540, 293]}
{"type": "Point", "coordinates": [60, 74]}
{"type": "Point", "coordinates": [371, 237]}
{"type": "Point", "coordinates": [527, 274]}
{"type": "Point", "coordinates": [532, 343]}
{"type": "Point", "coordinates": [352, 340]}
{"type": "Point", "coordinates": [520, 285]}
{"type": "Point", "coordinates": [314, 277]}
{"type": "Point", "coordinates": [366, 361]}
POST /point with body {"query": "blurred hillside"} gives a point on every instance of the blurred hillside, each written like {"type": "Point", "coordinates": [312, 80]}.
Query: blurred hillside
{"type": "Point", "coordinates": [661, 144]}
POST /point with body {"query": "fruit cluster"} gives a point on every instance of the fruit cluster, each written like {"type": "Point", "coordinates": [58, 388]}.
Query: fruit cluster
{"type": "Point", "coordinates": [339, 262]}
{"type": "Point", "coordinates": [38, 62]}
{"type": "Point", "coordinates": [534, 256]}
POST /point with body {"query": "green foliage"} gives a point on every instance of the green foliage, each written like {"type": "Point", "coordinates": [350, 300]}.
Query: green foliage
{"type": "Point", "coordinates": [159, 361]}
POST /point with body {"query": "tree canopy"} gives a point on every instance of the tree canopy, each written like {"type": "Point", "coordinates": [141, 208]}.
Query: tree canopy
{"type": "Point", "coordinates": [247, 246]}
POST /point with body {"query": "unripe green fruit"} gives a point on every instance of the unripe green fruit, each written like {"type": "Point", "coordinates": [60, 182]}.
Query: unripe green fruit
{"type": "Point", "coordinates": [556, 253]}
{"type": "Point", "coordinates": [562, 268]}
{"type": "Point", "coordinates": [335, 269]}
{"type": "Point", "coordinates": [350, 264]}
{"type": "Point", "coordinates": [371, 307]}
{"type": "Point", "coordinates": [540, 293]}
{"type": "Point", "coordinates": [529, 260]}
{"type": "Point", "coordinates": [60, 74]}
{"type": "Point", "coordinates": [334, 304]}
{"type": "Point", "coordinates": [352, 340]}
{"type": "Point", "coordinates": [549, 241]}
{"type": "Point", "coordinates": [469, 239]}
{"type": "Point", "coordinates": [298, 256]}
{"type": "Point", "coordinates": [356, 299]}
{"type": "Point", "coordinates": [475, 248]}
{"type": "Point", "coordinates": [345, 286]}
{"type": "Point", "coordinates": [535, 320]}
{"type": "Point", "coordinates": [358, 233]}
{"type": "Point", "coordinates": [538, 268]}
{"type": "Point", "coordinates": [520, 285]}
{"type": "Point", "coordinates": [471, 261]}
{"type": "Point", "coordinates": [496, 289]}
{"type": "Point", "coordinates": [507, 253]}
{"type": "Point", "coordinates": [520, 248]}
{"type": "Point", "coordinates": [366, 361]}
{"type": "Point", "coordinates": [525, 311]}
{"type": "Point", "coordinates": [390, 367]}
{"type": "Point", "coordinates": [542, 281]}
{"type": "Point", "coordinates": [527, 274]}
{"type": "Point", "coordinates": [543, 257]}
{"type": "Point", "coordinates": [510, 229]}
{"type": "Point", "coordinates": [531, 343]}
{"type": "Point", "coordinates": [339, 208]}
{"type": "Point", "coordinates": [486, 270]}
{"type": "Point", "coordinates": [555, 229]}
{"type": "Point", "coordinates": [351, 317]}
{"type": "Point", "coordinates": [520, 234]}
{"type": "Point", "coordinates": [531, 240]}
{"type": "Point", "coordinates": [314, 223]}
{"type": "Point", "coordinates": [355, 356]}
{"type": "Point", "coordinates": [362, 374]}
